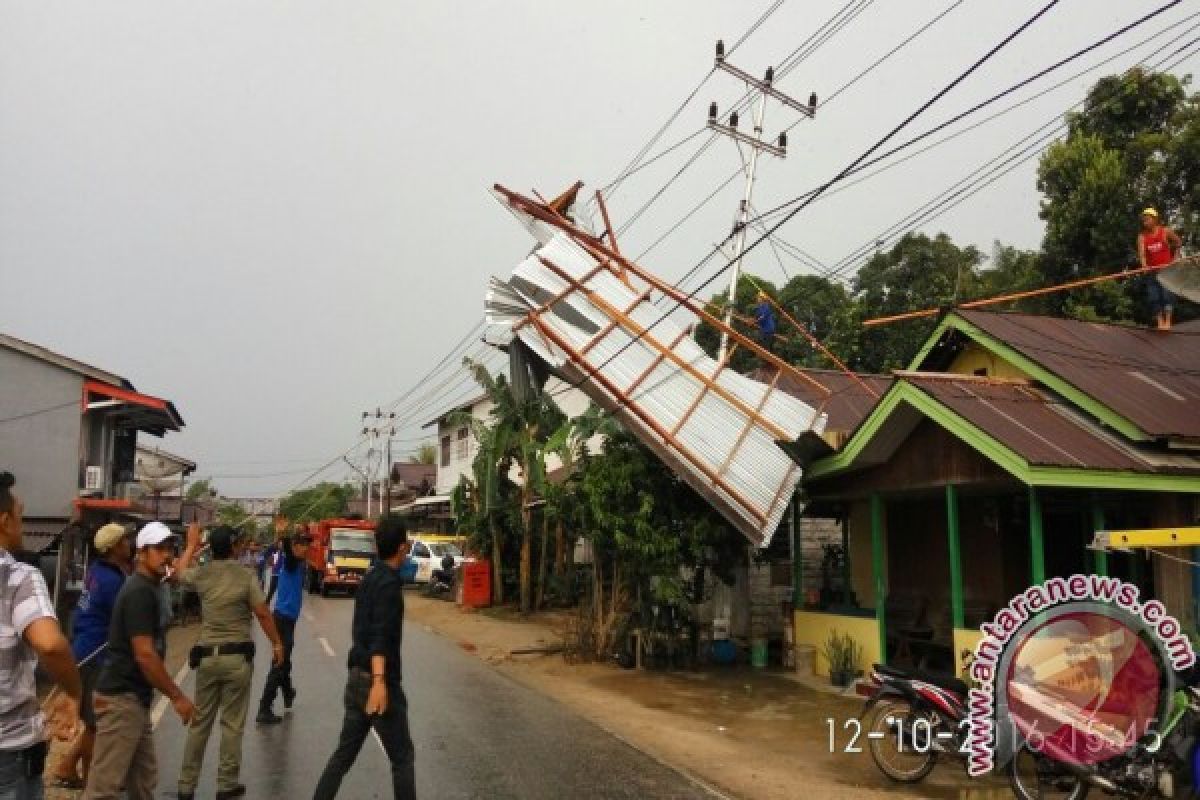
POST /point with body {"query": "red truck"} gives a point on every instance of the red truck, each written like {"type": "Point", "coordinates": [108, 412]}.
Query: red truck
{"type": "Point", "coordinates": [340, 554]}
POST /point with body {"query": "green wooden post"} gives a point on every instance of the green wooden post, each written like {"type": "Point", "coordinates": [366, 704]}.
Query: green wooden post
{"type": "Point", "coordinates": [1099, 557]}
{"type": "Point", "coordinates": [1036, 551]}
{"type": "Point", "coordinates": [847, 588]}
{"type": "Point", "coordinates": [797, 557]}
{"type": "Point", "coordinates": [878, 567]}
{"type": "Point", "coordinates": [958, 615]}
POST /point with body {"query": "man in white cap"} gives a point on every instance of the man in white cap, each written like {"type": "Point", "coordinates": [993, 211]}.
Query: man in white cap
{"type": "Point", "coordinates": [93, 613]}
{"type": "Point", "coordinates": [124, 753]}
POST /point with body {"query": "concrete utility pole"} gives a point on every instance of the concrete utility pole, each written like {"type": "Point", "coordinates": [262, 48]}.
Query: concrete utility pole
{"type": "Point", "coordinates": [384, 426]}
{"type": "Point", "coordinates": [764, 89]}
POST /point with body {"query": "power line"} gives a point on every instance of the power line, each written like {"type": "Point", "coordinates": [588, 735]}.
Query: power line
{"type": "Point", "coordinates": [40, 411]}
{"type": "Point", "coordinates": [841, 175]}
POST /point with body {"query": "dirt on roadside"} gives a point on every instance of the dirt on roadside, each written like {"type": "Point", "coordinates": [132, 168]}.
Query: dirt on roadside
{"type": "Point", "coordinates": [754, 734]}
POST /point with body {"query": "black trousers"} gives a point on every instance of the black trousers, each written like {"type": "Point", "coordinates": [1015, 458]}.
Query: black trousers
{"type": "Point", "coordinates": [280, 678]}
{"type": "Point", "coordinates": [392, 727]}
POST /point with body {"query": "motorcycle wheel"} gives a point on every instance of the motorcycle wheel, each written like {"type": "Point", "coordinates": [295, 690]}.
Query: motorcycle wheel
{"type": "Point", "coordinates": [898, 759]}
{"type": "Point", "coordinates": [1032, 776]}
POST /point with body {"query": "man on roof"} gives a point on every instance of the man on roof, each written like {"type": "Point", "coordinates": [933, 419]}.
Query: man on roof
{"type": "Point", "coordinates": [1157, 247]}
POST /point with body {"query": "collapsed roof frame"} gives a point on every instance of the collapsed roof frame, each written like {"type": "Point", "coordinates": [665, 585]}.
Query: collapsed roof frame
{"type": "Point", "coordinates": [711, 476]}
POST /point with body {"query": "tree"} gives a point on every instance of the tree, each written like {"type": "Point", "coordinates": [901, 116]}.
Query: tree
{"type": "Point", "coordinates": [201, 489]}
{"type": "Point", "coordinates": [325, 500]}
{"type": "Point", "coordinates": [520, 428]}
{"type": "Point", "coordinates": [1136, 143]}
{"type": "Point", "coordinates": [916, 273]}
{"type": "Point", "coordinates": [482, 504]}
{"type": "Point", "coordinates": [425, 454]}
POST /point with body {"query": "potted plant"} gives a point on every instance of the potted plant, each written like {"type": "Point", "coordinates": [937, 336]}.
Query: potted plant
{"type": "Point", "coordinates": [843, 655]}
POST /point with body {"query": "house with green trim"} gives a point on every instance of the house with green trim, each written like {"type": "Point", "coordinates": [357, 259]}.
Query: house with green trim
{"type": "Point", "coordinates": [989, 464]}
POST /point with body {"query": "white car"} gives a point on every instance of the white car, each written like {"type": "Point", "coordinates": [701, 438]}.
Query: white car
{"type": "Point", "coordinates": [428, 553]}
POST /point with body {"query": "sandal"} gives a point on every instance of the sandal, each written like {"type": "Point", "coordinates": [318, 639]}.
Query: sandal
{"type": "Point", "coordinates": [66, 783]}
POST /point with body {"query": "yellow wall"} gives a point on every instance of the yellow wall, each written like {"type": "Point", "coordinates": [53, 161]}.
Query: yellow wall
{"type": "Point", "coordinates": [814, 627]}
{"type": "Point", "coordinates": [973, 357]}
{"type": "Point", "coordinates": [862, 574]}
{"type": "Point", "coordinates": [964, 639]}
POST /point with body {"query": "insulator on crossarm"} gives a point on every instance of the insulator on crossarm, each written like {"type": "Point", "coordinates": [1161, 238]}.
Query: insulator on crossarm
{"type": "Point", "coordinates": [712, 112]}
{"type": "Point", "coordinates": [733, 119]}
{"type": "Point", "coordinates": [770, 74]}
{"type": "Point", "coordinates": [783, 140]}
{"type": "Point", "coordinates": [812, 102]}
{"type": "Point", "coordinates": [720, 50]}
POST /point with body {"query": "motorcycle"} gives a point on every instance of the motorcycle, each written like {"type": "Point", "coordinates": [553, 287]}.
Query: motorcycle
{"type": "Point", "coordinates": [913, 718]}
{"type": "Point", "coordinates": [441, 581]}
{"type": "Point", "coordinates": [1163, 764]}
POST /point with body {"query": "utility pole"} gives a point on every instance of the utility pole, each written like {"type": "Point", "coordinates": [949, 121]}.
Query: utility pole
{"type": "Point", "coordinates": [765, 88]}
{"type": "Point", "coordinates": [384, 425]}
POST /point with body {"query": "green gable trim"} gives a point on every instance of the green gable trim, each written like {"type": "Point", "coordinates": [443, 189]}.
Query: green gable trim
{"type": "Point", "coordinates": [903, 392]}
{"type": "Point", "coordinates": [1088, 404]}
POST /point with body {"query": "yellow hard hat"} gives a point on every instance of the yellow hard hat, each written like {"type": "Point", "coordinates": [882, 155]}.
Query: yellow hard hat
{"type": "Point", "coordinates": [1149, 212]}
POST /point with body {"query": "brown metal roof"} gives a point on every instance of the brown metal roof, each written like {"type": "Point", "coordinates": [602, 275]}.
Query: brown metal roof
{"type": "Point", "coordinates": [1151, 378]}
{"type": "Point", "coordinates": [1036, 427]}
{"type": "Point", "coordinates": [848, 404]}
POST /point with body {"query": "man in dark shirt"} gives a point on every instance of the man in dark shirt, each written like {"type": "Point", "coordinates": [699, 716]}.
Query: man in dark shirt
{"type": "Point", "coordinates": [374, 697]}
{"type": "Point", "coordinates": [124, 754]}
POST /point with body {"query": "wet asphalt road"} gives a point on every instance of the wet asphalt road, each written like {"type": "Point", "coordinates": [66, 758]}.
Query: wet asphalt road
{"type": "Point", "coordinates": [477, 733]}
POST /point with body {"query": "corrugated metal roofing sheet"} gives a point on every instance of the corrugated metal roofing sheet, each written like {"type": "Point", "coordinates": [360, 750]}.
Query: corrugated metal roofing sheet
{"type": "Point", "coordinates": [1036, 427]}
{"type": "Point", "coordinates": [1152, 378]}
{"type": "Point", "coordinates": [721, 439]}
{"type": "Point", "coordinates": [848, 403]}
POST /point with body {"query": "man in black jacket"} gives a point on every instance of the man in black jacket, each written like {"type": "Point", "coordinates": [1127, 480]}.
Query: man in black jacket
{"type": "Point", "coordinates": [374, 697]}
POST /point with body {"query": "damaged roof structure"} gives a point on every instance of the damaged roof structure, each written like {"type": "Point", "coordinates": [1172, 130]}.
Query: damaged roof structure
{"type": "Point", "coordinates": [586, 313]}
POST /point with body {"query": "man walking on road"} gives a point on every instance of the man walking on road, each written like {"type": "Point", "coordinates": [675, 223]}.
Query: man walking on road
{"type": "Point", "coordinates": [374, 697]}
{"type": "Point", "coordinates": [124, 754]}
{"type": "Point", "coordinates": [29, 633]}
{"type": "Point", "coordinates": [223, 659]}
{"type": "Point", "coordinates": [287, 611]}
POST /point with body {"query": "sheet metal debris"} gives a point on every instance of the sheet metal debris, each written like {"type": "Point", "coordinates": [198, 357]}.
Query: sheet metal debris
{"type": "Point", "coordinates": [587, 313]}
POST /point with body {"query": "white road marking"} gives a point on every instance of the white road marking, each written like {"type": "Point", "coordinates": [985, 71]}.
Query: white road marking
{"type": "Point", "coordinates": [325, 644]}
{"type": "Point", "coordinates": [161, 706]}
{"type": "Point", "coordinates": [379, 741]}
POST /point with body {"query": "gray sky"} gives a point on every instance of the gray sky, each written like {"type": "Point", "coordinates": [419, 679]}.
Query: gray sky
{"type": "Point", "coordinates": [275, 214]}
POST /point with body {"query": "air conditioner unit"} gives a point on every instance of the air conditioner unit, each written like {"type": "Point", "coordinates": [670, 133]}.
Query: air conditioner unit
{"type": "Point", "coordinates": [93, 479]}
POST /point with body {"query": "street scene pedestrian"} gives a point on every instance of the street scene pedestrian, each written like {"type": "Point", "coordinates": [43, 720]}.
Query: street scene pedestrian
{"type": "Point", "coordinates": [124, 759]}
{"type": "Point", "coordinates": [374, 696]}
{"type": "Point", "coordinates": [290, 598]}
{"type": "Point", "coordinates": [223, 659]}
{"type": "Point", "coordinates": [29, 635]}
{"type": "Point", "coordinates": [106, 574]}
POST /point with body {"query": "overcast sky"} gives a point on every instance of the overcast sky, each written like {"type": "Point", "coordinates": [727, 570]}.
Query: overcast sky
{"type": "Point", "coordinates": [276, 213]}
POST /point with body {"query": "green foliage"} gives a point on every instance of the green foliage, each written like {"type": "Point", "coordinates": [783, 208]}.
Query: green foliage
{"type": "Point", "coordinates": [425, 454]}
{"type": "Point", "coordinates": [918, 272]}
{"type": "Point", "coordinates": [325, 500]}
{"type": "Point", "coordinates": [842, 653]}
{"type": "Point", "coordinates": [1136, 143]}
{"type": "Point", "coordinates": [201, 489]}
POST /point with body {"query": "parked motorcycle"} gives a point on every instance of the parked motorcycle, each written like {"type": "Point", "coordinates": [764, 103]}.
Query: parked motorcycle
{"type": "Point", "coordinates": [1163, 764]}
{"type": "Point", "coordinates": [442, 581]}
{"type": "Point", "coordinates": [912, 719]}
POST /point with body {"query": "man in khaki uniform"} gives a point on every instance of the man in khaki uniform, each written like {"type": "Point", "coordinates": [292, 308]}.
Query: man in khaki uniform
{"type": "Point", "coordinates": [223, 660]}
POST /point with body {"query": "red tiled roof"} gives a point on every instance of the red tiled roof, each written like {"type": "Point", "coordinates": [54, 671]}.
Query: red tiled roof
{"type": "Point", "coordinates": [1151, 378]}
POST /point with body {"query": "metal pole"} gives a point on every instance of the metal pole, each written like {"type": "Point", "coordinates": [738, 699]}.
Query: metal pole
{"type": "Point", "coordinates": [743, 217]}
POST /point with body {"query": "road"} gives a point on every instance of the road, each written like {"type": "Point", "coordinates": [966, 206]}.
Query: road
{"type": "Point", "coordinates": [477, 733]}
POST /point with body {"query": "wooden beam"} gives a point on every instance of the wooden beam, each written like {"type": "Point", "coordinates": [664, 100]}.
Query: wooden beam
{"type": "Point", "coordinates": [703, 391]}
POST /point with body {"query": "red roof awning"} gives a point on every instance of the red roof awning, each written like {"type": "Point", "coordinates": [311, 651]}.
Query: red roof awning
{"type": "Point", "coordinates": [105, 504]}
{"type": "Point", "coordinates": [142, 411]}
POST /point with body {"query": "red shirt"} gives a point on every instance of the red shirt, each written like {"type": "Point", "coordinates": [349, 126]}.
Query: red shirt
{"type": "Point", "coordinates": [1158, 250]}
